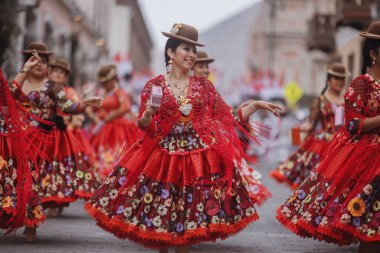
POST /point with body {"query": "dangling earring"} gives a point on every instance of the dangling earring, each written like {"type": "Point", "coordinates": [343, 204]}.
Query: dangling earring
{"type": "Point", "coordinates": [191, 72]}
{"type": "Point", "coordinates": [374, 60]}
{"type": "Point", "coordinates": [169, 67]}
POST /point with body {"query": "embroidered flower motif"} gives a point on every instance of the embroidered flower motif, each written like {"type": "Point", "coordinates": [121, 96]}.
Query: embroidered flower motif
{"type": "Point", "coordinates": [356, 222]}
{"type": "Point", "coordinates": [148, 198]}
{"type": "Point", "coordinates": [301, 194]}
{"type": "Point", "coordinates": [212, 207]}
{"type": "Point", "coordinates": [306, 216]}
{"type": "Point", "coordinates": [128, 212]}
{"type": "Point", "coordinates": [217, 193]}
{"type": "Point", "coordinates": [157, 221]}
{"type": "Point", "coordinates": [356, 207]}
{"type": "Point", "coordinates": [164, 194]}
{"type": "Point", "coordinates": [179, 227]}
{"type": "Point", "coordinates": [135, 202]}
{"type": "Point", "coordinates": [189, 198]}
{"type": "Point", "coordinates": [376, 205]}
{"type": "Point", "coordinates": [191, 225]}
{"type": "Point", "coordinates": [345, 219]}
{"type": "Point", "coordinates": [104, 201]}
{"type": "Point", "coordinates": [120, 210]}
{"type": "Point", "coordinates": [250, 211]}
{"type": "Point", "coordinates": [168, 202]}
{"type": "Point", "coordinates": [237, 218]}
{"type": "Point", "coordinates": [113, 194]}
{"type": "Point", "coordinates": [79, 174]}
{"type": "Point", "coordinates": [286, 211]}
{"type": "Point", "coordinates": [318, 220]}
{"type": "Point", "coordinates": [144, 189]}
{"type": "Point", "coordinates": [38, 213]}
{"type": "Point", "coordinates": [135, 221]}
{"type": "Point", "coordinates": [215, 219]}
{"type": "Point", "coordinates": [308, 199]}
{"type": "Point", "coordinates": [200, 207]}
{"type": "Point", "coordinates": [88, 176]}
{"type": "Point", "coordinates": [122, 180]}
{"type": "Point", "coordinates": [173, 216]}
{"type": "Point", "coordinates": [162, 210]}
{"type": "Point", "coordinates": [146, 209]}
{"type": "Point", "coordinates": [7, 202]}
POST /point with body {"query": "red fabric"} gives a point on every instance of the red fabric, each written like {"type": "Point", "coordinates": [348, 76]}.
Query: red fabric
{"type": "Point", "coordinates": [212, 119]}
{"type": "Point", "coordinates": [298, 166]}
{"type": "Point", "coordinates": [340, 201]}
{"type": "Point", "coordinates": [17, 126]}
{"type": "Point", "coordinates": [163, 240]}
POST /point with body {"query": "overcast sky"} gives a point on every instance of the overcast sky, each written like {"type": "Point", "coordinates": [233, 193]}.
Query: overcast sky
{"type": "Point", "coordinates": [203, 14]}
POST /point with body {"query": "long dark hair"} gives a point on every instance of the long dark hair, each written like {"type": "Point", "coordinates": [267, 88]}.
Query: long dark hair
{"type": "Point", "coordinates": [368, 45]}
{"type": "Point", "coordinates": [172, 44]}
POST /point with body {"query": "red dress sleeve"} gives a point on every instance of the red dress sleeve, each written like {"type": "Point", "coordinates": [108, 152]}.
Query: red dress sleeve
{"type": "Point", "coordinates": [145, 96]}
{"type": "Point", "coordinates": [355, 98]}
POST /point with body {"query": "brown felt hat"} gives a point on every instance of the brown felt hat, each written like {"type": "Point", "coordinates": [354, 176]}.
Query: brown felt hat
{"type": "Point", "coordinates": [61, 63]}
{"type": "Point", "coordinates": [203, 57]}
{"type": "Point", "coordinates": [106, 73]}
{"type": "Point", "coordinates": [183, 32]}
{"type": "Point", "coordinates": [373, 31]}
{"type": "Point", "coordinates": [40, 47]}
{"type": "Point", "coordinates": [338, 69]}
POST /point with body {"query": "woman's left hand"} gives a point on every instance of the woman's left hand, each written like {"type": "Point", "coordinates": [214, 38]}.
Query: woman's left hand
{"type": "Point", "coordinates": [267, 106]}
{"type": "Point", "coordinates": [92, 101]}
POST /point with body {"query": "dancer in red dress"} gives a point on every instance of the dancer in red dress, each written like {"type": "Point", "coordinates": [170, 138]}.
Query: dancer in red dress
{"type": "Point", "coordinates": [112, 130]}
{"type": "Point", "coordinates": [179, 184]}
{"type": "Point", "coordinates": [340, 201]}
{"type": "Point", "coordinates": [257, 191]}
{"type": "Point", "coordinates": [19, 187]}
{"type": "Point", "coordinates": [87, 180]}
{"type": "Point", "coordinates": [44, 99]}
{"type": "Point", "coordinates": [326, 117]}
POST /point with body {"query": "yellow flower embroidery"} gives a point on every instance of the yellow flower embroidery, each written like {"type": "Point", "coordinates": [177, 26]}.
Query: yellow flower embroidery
{"type": "Point", "coordinates": [7, 202]}
{"type": "Point", "coordinates": [356, 207]}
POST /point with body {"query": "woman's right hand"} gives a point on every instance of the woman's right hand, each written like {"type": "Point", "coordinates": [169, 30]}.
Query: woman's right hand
{"type": "Point", "coordinates": [32, 61]}
{"type": "Point", "coordinates": [150, 109]}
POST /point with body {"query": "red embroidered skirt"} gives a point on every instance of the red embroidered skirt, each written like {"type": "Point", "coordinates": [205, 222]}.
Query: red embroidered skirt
{"type": "Point", "coordinates": [69, 175]}
{"type": "Point", "coordinates": [299, 165]}
{"type": "Point", "coordinates": [8, 190]}
{"type": "Point", "coordinates": [340, 201]}
{"type": "Point", "coordinates": [175, 199]}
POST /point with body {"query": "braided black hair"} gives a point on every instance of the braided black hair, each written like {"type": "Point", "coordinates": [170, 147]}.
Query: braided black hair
{"type": "Point", "coordinates": [368, 45]}
{"type": "Point", "coordinates": [328, 78]}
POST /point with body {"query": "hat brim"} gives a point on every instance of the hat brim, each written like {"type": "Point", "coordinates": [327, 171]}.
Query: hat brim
{"type": "Point", "coordinates": [170, 35]}
{"type": "Point", "coordinates": [369, 35]}
{"type": "Point", "coordinates": [338, 74]}
{"type": "Point", "coordinates": [111, 75]}
{"type": "Point", "coordinates": [204, 60]}
{"type": "Point", "coordinates": [39, 52]}
{"type": "Point", "coordinates": [59, 66]}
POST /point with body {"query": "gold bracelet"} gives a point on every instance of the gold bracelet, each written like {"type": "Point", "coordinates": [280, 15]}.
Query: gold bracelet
{"type": "Point", "coordinates": [24, 70]}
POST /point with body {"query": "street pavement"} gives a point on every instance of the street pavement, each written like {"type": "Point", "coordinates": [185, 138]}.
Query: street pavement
{"type": "Point", "coordinates": [76, 232]}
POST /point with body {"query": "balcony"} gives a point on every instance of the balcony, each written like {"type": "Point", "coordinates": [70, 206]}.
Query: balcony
{"type": "Point", "coordinates": [354, 13]}
{"type": "Point", "coordinates": [321, 33]}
